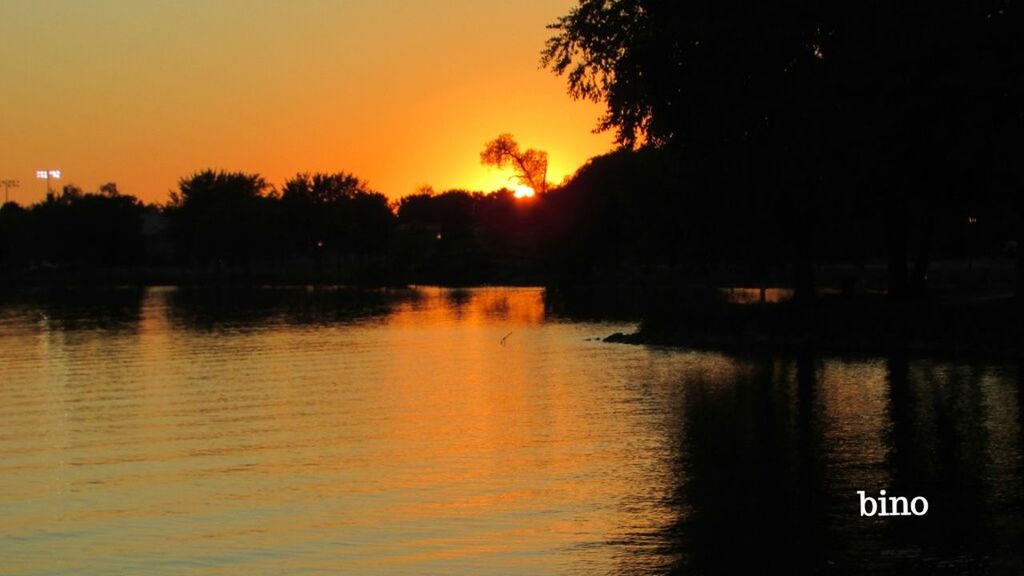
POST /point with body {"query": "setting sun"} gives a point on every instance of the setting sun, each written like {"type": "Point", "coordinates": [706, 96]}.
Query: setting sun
{"type": "Point", "coordinates": [405, 114]}
{"type": "Point", "coordinates": [523, 191]}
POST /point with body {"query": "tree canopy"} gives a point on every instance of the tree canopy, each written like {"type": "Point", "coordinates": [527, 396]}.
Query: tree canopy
{"type": "Point", "coordinates": [321, 188]}
{"type": "Point", "coordinates": [710, 69]}
{"type": "Point", "coordinates": [530, 166]}
{"type": "Point", "coordinates": [840, 112]}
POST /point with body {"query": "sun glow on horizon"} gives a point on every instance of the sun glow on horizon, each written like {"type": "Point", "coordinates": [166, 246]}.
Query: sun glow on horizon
{"type": "Point", "coordinates": [523, 191]}
{"type": "Point", "coordinates": [441, 80]}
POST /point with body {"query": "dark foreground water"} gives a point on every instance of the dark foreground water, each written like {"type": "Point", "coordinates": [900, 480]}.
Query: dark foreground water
{"type": "Point", "coordinates": [430, 431]}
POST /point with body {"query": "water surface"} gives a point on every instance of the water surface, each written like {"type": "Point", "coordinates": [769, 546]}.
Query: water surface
{"type": "Point", "coordinates": [436, 431]}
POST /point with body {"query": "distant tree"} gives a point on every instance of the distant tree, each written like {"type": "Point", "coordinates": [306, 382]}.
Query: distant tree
{"type": "Point", "coordinates": [109, 189]}
{"type": "Point", "coordinates": [15, 236]}
{"type": "Point", "coordinates": [87, 229]}
{"type": "Point", "coordinates": [69, 193]}
{"type": "Point", "coordinates": [467, 235]}
{"type": "Point", "coordinates": [217, 217]}
{"type": "Point", "coordinates": [337, 212]}
{"type": "Point", "coordinates": [451, 212]}
{"type": "Point", "coordinates": [210, 188]}
{"type": "Point", "coordinates": [530, 166]}
{"type": "Point", "coordinates": [324, 188]}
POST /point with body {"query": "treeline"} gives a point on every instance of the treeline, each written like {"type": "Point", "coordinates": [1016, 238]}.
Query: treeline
{"type": "Point", "coordinates": [644, 216]}
{"type": "Point", "coordinates": [74, 228]}
{"type": "Point", "coordinates": [233, 225]}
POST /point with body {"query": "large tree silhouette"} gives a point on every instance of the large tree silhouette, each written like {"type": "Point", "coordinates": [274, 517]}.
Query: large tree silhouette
{"type": "Point", "coordinates": [843, 114]}
{"type": "Point", "coordinates": [740, 92]}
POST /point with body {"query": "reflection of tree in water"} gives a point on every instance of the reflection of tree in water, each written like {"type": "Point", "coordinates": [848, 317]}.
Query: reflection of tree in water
{"type": "Point", "coordinates": [601, 303]}
{"type": "Point", "coordinates": [207, 308]}
{"type": "Point", "coordinates": [760, 486]}
{"type": "Point", "coordinates": [458, 299]}
{"type": "Point", "coordinates": [1015, 482]}
{"type": "Point", "coordinates": [942, 421]}
{"type": "Point", "coordinates": [753, 496]}
{"type": "Point", "coordinates": [497, 308]}
{"type": "Point", "coordinates": [69, 309]}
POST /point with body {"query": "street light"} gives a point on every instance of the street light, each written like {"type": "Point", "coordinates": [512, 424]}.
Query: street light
{"type": "Point", "coordinates": [7, 185]}
{"type": "Point", "coordinates": [46, 175]}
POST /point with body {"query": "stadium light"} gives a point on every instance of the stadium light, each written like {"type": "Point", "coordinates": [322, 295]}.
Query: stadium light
{"type": "Point", "coordinates": [46, 175]}
{"type": "Point", "coordinates": [8, 184]}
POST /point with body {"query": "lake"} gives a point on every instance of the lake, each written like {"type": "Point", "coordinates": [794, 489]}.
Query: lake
{"type": "Point", "coordinates": [475, 431]}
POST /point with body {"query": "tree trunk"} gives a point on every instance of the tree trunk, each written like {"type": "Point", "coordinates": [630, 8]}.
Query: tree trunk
{"type": "Point", "coordinates": [919, 281]}
{"type": "Point", "coordinates": [1019, 276]}
{"type": "Point", "coordinates": [803, 253]}
{"type": "Point", "coordinates": [896, 248]}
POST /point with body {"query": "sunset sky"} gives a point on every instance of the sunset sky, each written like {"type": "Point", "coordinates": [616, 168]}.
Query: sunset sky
{"type": "Point", "coordinates": [403, 93]}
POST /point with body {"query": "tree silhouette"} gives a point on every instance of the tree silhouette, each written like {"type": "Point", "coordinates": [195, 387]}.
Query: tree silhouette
{"type": "Point", "coordinates": [109, 189]}
{"type": "Point", "coordinates": [322, 188]}
{"type": "Point", "coordinates": [843, 114]}
{"type": "Point", "coordinates": [530, 166]}
{"type": "Point", "coordinates": [337, 213]}
{"type": "Point", "coordinates": [78, 229]}
{"type": "Point", "coordinates": [218, 218]}
{"type": "Point", "coordinates": [738, 93]}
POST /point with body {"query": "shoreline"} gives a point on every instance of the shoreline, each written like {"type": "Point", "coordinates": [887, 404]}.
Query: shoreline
{"type": "Point", "coordinates": [695, 317]}
{"type": "Point", "coordinates": [173, 276]}
{"type": "Point", "coordinates": [968, 330]}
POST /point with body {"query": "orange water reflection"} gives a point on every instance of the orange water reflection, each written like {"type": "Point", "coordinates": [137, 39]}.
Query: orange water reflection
{"type": "Point", "coordinates": [462, 432]}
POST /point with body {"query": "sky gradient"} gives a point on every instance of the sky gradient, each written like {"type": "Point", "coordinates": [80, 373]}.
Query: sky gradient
{"type": "Point", "coordinates": [403, 93]}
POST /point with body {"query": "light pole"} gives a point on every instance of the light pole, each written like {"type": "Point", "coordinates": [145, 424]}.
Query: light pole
{"type": "Point", "coordinates": [46, 175]}
{"type": "Point", "coordinates": [8, 184]}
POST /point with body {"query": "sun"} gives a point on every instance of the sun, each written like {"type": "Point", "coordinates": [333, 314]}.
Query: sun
{"type": "Point", "coordinates": [523, 191]}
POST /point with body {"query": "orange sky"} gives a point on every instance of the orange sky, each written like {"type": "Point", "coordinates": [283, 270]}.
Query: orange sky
{"type": "Point", "coordinates": [403, 93]}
